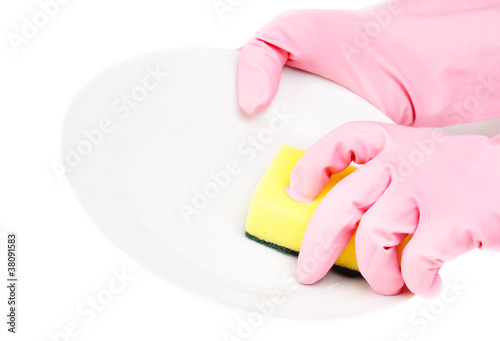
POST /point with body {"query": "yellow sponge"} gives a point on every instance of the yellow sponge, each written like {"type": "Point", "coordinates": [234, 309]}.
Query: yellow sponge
{"type": "Point", "coordinates": [279, 222]}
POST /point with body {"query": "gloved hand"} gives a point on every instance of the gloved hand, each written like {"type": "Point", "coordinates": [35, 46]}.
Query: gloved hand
{"type": "Point", "coordinates": [442, 189]}
{"type": "Point", "coordinates": [422, 63]}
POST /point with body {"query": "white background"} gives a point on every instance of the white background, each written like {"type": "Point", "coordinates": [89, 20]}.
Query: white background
{"type": "Point", "coordinates": [64, 258]}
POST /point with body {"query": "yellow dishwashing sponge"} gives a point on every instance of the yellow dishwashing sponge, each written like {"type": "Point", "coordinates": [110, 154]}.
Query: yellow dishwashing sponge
{"type": "Point", "coordinates": [277, 221]}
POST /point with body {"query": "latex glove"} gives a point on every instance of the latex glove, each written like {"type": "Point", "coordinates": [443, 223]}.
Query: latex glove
{"type": "Point", "coordinates": [442, 189]}
{"type": "Point", "coordinates": [422, 63]}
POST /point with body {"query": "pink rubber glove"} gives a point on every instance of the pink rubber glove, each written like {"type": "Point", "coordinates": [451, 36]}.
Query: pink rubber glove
{"type": "Point", "coordinates": [442, 189]}
{"type": "Point", "coordinates": [422, 63]}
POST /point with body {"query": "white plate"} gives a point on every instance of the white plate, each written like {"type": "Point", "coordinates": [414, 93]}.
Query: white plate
{"type": "Point", "coordinates": [133, 180]}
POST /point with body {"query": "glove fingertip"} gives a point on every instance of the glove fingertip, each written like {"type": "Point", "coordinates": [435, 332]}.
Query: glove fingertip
{"type": "Point", "coordinates": [306, 275]}
{"type": "Point", "coordinates": [388, 292]}
{"type": "Point", "coordinates": [259, 74]}
{"type": "Point", "coordinates": [435, 288]}
{"type": "Point", "coordinates": [427, 291]}
{"type": "Point", "coordinates": [295, 195]}
{"type": "Point", "coordinates": [253, 95]}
